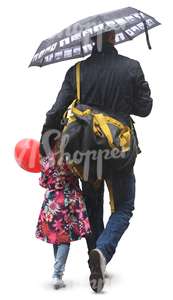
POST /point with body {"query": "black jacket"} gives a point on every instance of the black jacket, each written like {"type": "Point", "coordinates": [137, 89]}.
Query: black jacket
{"type": "Point", "coordinates": [110, 82]}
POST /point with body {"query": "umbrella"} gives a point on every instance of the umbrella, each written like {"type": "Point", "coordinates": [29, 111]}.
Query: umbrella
{"type": "Point", "coordinates": [75, 41]}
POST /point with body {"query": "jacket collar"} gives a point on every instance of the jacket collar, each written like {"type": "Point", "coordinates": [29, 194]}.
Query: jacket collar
{"type": "Point", "coordinates": [106, 48]}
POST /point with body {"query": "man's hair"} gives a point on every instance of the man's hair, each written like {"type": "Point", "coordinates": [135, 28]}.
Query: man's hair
{"type": "Point", "coordinates": [102, 37]}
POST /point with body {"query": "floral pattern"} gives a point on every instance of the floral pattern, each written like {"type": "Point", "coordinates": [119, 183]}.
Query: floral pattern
{"type": "Point", "coordinates": [63, 216]}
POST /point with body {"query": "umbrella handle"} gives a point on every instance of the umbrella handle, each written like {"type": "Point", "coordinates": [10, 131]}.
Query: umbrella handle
{"type": "Point", "coordinates": [146, 30]}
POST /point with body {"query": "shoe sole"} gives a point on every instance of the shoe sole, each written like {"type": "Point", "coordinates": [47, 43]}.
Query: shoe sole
{"type": "Point", "coordinates": [57, 287]}
{"type": "Point", "coordinates": [96, 278]}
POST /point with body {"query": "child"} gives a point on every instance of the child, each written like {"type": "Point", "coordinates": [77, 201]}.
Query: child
{"type": "Point", "coordinates": [63, 217]}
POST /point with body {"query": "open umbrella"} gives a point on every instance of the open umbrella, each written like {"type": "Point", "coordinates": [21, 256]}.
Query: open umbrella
{"type": "Point", "coordinates": [75, 41]}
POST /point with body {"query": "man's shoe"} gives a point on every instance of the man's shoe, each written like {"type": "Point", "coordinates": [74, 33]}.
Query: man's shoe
{"type": "Point", "coordinates": [57, 283]}
{"type": "Point", "coordinates": [97, 264]}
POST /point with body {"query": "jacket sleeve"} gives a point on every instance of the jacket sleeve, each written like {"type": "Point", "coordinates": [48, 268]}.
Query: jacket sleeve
{"type": "Point", "coordinates": [47, 168]}
{"type": "Point", "coordinates": [142, 102]}
{"type": "Point", "coordinates": [54, 115]}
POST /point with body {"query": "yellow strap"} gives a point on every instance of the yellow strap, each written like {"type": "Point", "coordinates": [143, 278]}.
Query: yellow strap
{"type": "Point", "coordinates": [78, 80]}
{"type": "Point", "coordinates": [125, 134]}
{"type": "Point", "coordinates": [80, 113]}
{"type": "Point", "coordinates": [112, 200]}
{"type": "Point", "coordinates": [125, 138]}
{"type": "Point", "coordinates": [114, 122]}
{"type": "Point", "coordinates": [67, 114]}
{"type": "Point", "coordinates": [100, 126]}
{"type": "Point", "coordinates": [99, 120]}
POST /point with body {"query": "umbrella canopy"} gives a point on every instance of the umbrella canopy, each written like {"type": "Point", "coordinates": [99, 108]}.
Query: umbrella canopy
{"type": "Point", "coordinates": [75, 41]}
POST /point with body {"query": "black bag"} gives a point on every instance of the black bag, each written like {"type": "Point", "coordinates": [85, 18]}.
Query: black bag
{"type": "Point", "coordinates": [94, 141]}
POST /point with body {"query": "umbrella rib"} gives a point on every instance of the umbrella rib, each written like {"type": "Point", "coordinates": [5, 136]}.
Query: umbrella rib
{"type": "Point", "coordinates": [127, 35]}
{"type": "Point", "coordinates": [82, 49]}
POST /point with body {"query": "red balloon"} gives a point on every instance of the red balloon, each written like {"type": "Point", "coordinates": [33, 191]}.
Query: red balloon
{"type": "Point", "coordinates": [27, 155]}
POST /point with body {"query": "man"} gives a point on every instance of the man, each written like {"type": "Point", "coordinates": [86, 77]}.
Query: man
{"type": "Point", "coordinates": [114, 84]}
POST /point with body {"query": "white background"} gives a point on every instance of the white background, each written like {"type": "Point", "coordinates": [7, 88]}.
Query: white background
{"type": "Point", "coordinates": [142, 266]}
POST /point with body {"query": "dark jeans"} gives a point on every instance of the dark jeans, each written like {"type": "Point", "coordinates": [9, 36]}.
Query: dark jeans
{"type": "Point", "coordinates": [94, 206]}
{"type": "Point", "coordinates": [122, 195]}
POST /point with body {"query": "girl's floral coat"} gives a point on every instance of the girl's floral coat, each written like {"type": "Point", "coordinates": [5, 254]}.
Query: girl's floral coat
{"type": "Point", "coordinates": [63, 217]}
